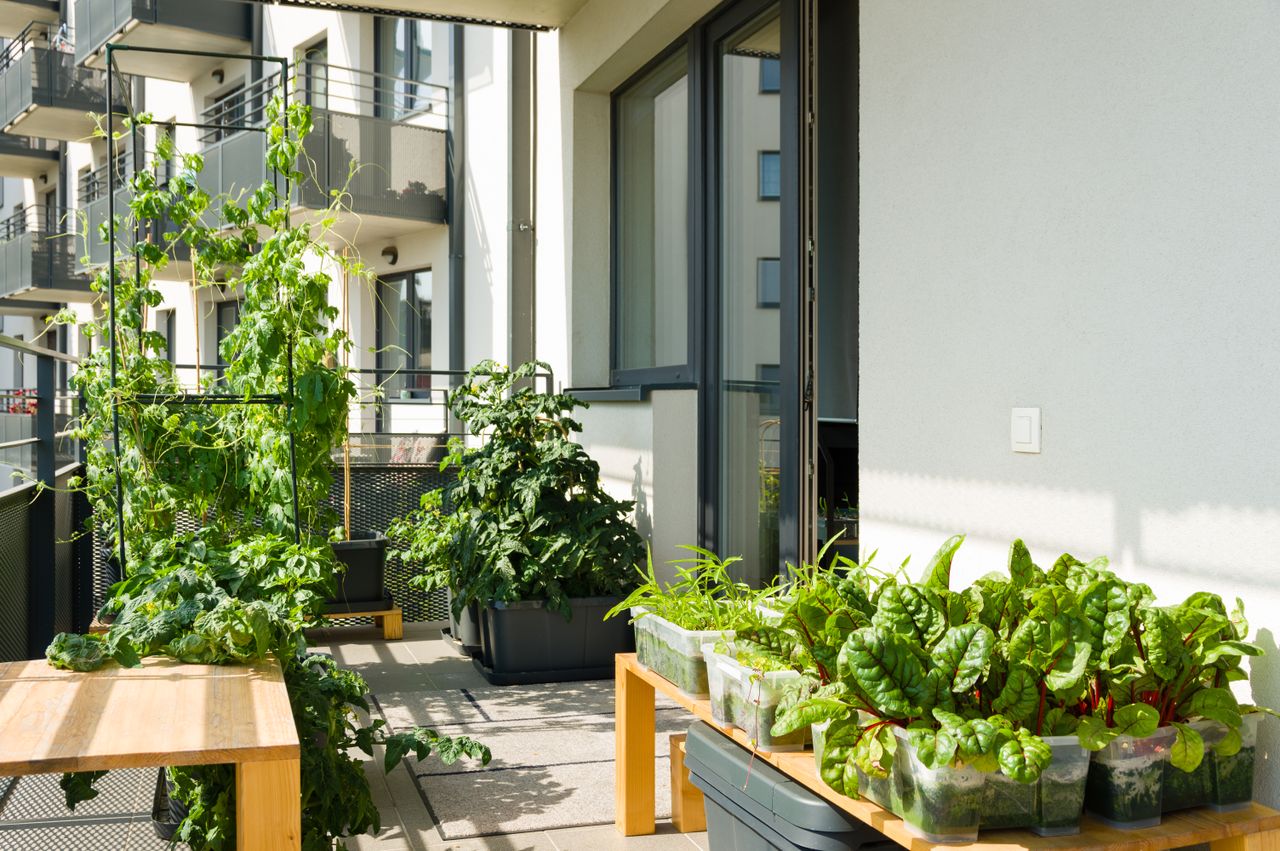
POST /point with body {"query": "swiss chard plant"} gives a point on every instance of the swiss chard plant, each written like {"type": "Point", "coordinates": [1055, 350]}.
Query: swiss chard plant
{"type": "Point", "coordinates": [242, 587]}
{"type": "Point", "coordinates": [527, 517]}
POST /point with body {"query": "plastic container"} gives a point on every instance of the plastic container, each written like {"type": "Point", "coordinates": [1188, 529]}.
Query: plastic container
{"type": "Point", "coordinates": [819, 733]}
{"type": "Point", "coordinates": [1049, 806]}
{"type": "Point", "coordinates": [1224, 783]}
{"type": "Point", "coordinates": [1125, 788]}
{"type": "Point", "coordinates": [673, 652]}
{"type": "Point", "coordinates": [941, 805]}
{"type": "Point", "coordinates": [751, 806]}
{"type": "Point", "coordinates": [745, 698]}
{"type": "Point", "coordinates": [1186, 789]}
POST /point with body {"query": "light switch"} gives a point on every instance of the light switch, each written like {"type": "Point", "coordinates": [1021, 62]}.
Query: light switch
{"type": "Point", "coordinates": [1024, 430]}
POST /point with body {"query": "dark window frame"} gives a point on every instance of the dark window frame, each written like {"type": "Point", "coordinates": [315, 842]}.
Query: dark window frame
{"type": "Point", "coordinates": [381, 342]}
{"type": "Point", "coordinates": [683, 375]}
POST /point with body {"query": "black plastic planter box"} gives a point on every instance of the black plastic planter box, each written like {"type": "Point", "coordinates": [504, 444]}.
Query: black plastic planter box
{"type": "Point", "coordinates": [526, 642]}
{"type": "Point", "coordinates": [365, 556]}
{"type": "Point", "coordinates": [751, 806]}
{"type": "Point", "coordinates": [166, 813]}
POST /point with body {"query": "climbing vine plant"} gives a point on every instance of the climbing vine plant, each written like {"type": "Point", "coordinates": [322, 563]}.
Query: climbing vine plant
{"type": "Point", "coordinates": [219, 565]}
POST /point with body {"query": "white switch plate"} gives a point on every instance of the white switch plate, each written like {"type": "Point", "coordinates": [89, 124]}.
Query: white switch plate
{"type": "Point", "coordinates": [1024, 430]}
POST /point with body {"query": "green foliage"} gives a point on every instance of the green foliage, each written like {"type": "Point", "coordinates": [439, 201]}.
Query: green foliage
{"type": "Point", "coordinates": [528, 518]}
{"type": "Point", "coordinates": [705, 595]}
{"type": "Point", "coordinates": [242, 588]}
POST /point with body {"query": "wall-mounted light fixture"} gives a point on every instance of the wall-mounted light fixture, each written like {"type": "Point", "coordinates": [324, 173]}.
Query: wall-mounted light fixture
{"type": "Point", "coordinates": [391, 255]}
{"type": "Point", "coordinates": [219, 75]}
{"type": "Point", "coordinates": [44, 178]}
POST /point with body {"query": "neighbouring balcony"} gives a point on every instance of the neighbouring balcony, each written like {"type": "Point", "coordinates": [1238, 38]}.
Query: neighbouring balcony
{"type": "Point", "coordinates": [26, 156]}
{"type": "Point", "coordinates": [359, 118]}
{"type": "Point", "coordinates": [15, 15]}
{"type": "Point", "coordinates": [43, 93]}
{"type": "Point", "coordinates": [215, 26]}
{"type": "Point", "coordinates": [38, 251]}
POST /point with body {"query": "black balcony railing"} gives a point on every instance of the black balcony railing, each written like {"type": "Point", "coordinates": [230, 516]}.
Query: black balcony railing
{"type": "Point", "coordinates": [43, 591]}
{"type": "Point", "coordinates": [38, 249]}
{"type": "Point", "coordinates": [100, 21]}
{"type": "Point", "coordinates": [38, 69]}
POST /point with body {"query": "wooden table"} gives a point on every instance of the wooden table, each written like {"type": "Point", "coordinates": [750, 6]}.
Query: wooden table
{"type": "Point", "coordinates": [164, 713]}
{"type": "Point", "coordinates": [1255, 828]}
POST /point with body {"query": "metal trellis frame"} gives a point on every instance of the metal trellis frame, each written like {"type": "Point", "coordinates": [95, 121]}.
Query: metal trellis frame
{"type": "Point", "coordinates": [113, 72]}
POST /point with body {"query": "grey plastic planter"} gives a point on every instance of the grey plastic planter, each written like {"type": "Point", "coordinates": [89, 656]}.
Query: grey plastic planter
{"type": "Point", "coordinates": [525, 642]}
{"type": "Point", "coordinates": [465, 628]}
{"type": "Point", "coordinates": [751, 806]}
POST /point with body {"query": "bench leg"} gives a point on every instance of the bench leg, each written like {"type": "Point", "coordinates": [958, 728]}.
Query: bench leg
{"type": "Point", "coordinates": [392, 626]}
{"type": "Point", "coordinates": [633, 732]}
{"type": "Point", "coordinates": [688, 812]}
{"type": "Point", "coordinates": [269, 806]}
{"type": "Point", "coordinates": [1267, 840]}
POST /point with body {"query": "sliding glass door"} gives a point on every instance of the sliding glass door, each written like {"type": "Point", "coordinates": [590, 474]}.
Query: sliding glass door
{"type": "Point", "coordinates": [755, 292]}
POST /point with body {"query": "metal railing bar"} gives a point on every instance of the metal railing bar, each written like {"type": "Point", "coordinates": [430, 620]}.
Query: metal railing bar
{"type": "Point", "coordinates": [15, 444]}
{"type": "Point", "coordinates": [7, 342]}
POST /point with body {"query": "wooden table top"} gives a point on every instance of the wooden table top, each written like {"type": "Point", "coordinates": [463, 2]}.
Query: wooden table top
{"type": "Point", "coordinates": [163, 713]}
{"type": "Point", "coordinates": [1189, 827]}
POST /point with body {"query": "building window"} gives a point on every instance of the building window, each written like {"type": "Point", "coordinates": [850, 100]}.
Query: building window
{"type": "Point", "coordinates": [770, 175]}
{"type": "Point", "coordinates": [404, 334]}
{"type": "Point", "coordinates": [227, 317]}
{"type": "Point", "coordinates": [403, 57]}
{"type": "Point", "coordinates": [768, 385]}
{"type": "Point", "coordinates": [315, 74]}
{"type": "Point", "coordinates": [226, 112]}
{"type": "Point", "coordinates": [166, 326]}
{"type": "Point", "coordinates": [651, 213]}
{"type": "Point", "coordinates": [770, 76]}
{"type": "Point", "coordinates": [768, 282]}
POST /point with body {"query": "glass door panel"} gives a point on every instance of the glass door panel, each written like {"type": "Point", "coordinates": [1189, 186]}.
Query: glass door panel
{"type": "Point", "coordinates": [750, 333]}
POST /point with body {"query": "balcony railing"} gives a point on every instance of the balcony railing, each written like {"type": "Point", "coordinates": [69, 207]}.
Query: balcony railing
{"type": "Point", "coordinates": [207, 25]}
{"type": "Point", "coordinates": [44, 93]}
{"type": "Point", "coordinates": [392, 127]}
{"type": "Point", "coordinates": [38, 250]}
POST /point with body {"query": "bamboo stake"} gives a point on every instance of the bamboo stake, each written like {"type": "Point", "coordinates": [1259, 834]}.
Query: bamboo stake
{"type": "Point", "coordinates": [346, 356]}
{"type": "Point", "coordinates": [195, 315]}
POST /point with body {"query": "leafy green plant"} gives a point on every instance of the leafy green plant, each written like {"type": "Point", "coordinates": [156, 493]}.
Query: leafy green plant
{"type": "Point", "coordinates": [705, 595]}
{"type": "Point", "coordinates": [527, 517]}
{"type": "Point", "coordinates": [242, 587]}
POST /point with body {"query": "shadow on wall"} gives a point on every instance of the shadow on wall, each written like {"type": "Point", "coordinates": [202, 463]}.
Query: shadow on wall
{"type": "Point", "coordinates": [643, 518]}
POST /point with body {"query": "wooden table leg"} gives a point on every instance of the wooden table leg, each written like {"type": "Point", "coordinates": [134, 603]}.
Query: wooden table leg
{"type": "Point", "coordinates": [1267, 840]}
{"type": "Point", "coordinates": [393, 626]}
{"type": "Point", "coordinates": [688, 809]}
{"type": "Point", "coordinates": [269, 806]}
{"type": "Point", "coordinates": [633, 729]}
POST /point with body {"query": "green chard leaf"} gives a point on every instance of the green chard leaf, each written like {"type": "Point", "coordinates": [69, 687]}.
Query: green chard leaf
{"type": "Point", "coordinates": [885, 668]}
{"type": "Point", "coordinates": [1188, 748]}
{"type": "Point", "coordinates": [937, 574]}
{"type": "Point", "coordinates": [963, 654]}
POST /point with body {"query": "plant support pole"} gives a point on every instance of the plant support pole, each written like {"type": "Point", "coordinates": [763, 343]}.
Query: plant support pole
{"type": "Point", "coordinates": [346, 364]}
{"type": "Point", "coordinates": [111, 302]}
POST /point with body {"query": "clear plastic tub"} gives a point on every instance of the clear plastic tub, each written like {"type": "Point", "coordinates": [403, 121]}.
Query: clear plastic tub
{"type": "Point", "coordinates": [674, 652]}
{"type": "Point", "coordinates": [1049, 806]}
{"type": "Point", "coordinates": [1222, 782]}
{"type": "Point", "coordinates": [748, 699]}
{"type": "Point", "coordinates": [819, 733]}
{"type": "Point", "coordinates": [1125, 788]}
{"type": "Point", "coordinates": [1233, 775]}
{"type": "Point", "coordinates": [941, 805]}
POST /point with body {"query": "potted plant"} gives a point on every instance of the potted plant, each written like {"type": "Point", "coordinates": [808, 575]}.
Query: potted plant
{"type": "Point", "coordinates": [702, 605]}
{"type": "Point", "coordinates": [531, 536]}
{"type": "Point", "coordinates": [242, 586]}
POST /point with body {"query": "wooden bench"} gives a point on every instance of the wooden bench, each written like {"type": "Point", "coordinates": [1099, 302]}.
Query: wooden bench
{"type": "Point", "coordinates": [389, 620]}
{"type": "Point", "coordinates": [1254, 828]}
{"type": "Point", "coordinates": [163, 713]}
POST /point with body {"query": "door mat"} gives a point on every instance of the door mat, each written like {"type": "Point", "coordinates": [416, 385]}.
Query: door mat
{"type": "Point", "coordinates": [553, 755]}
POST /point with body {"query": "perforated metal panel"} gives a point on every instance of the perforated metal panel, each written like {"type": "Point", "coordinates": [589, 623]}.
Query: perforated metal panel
{"type": "Point", "coordinates": [13, 574]}
{"type": "Point", "coordinates": [378, 494]}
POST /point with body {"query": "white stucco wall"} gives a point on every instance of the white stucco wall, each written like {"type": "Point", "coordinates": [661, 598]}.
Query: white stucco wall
{"type": "Point", "coordinates": [1074, 206]}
